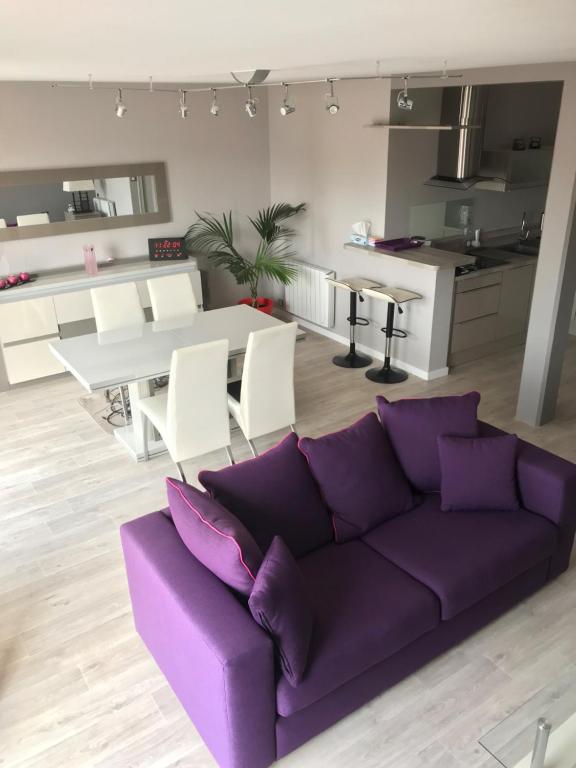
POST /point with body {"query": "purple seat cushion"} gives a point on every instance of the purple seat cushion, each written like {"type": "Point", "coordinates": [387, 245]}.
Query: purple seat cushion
{"type": "Point", "coordinates": [466, 556]}
{"type": "Point", "coordinates": [279, 602]}
{"type": "Point", "coordinates": [478, 472]}
{"type": "Point", "coordinates": [274, 495]}
{"type": "Point", "coordinates": [415, 425]}
{"type": "Point", "coordinates": [365, 609]}
{"type": "Point", "coordinates": [359, 476]}
{"type": "Point", "coordinates": [214, 536]}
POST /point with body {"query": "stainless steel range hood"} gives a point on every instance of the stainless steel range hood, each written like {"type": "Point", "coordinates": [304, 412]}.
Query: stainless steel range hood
{"type": "Point", "coordinates": [459, 150]}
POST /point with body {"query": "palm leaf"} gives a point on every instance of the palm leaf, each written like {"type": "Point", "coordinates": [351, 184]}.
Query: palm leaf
{"type": "Point", "coordinates": [267, 222]}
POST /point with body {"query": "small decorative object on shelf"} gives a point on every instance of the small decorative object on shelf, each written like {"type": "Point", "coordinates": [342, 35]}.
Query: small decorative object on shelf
{"type": "Point", "coordinates": [166, 249]}
{"type": "Point", "coordinates": [14, 280]}
{"type": "Point", "coordinates": [90, 263]}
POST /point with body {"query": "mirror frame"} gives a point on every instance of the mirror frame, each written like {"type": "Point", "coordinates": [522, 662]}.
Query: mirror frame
{"type": "Point", "coordinates": [51, 175]}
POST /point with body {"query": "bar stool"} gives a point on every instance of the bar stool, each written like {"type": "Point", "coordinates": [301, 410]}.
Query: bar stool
{"type": "Point", "coordinates": [394, 297]}
{"type": "Point", "coordinates": [355, 286]}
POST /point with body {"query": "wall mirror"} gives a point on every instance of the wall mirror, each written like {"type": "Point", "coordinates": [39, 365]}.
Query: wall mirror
{"type": "Point", "coordinates": [58, 201]}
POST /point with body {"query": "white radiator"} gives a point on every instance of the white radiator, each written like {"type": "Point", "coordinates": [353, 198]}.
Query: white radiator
{"type": "Point", "coordinates": [311, 296]}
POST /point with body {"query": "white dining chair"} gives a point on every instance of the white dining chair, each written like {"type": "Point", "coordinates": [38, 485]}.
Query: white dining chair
{"type": "Point", "coordinates": [32, 218]}
{"type": "Point", "coordinates": [172, 296]}
{"type": "Point", "coordinates": [265, 402]}
{"type": "Point", "coordinates": [192, 416]}
{"type": "Point", "coordinates": [2, 223]}
{"type": "Point", "coordinates": [116, 307]}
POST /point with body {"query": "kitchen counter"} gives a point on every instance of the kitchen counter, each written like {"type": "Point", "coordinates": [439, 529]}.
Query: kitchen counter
{"type": "Point", "coordinates": [426, 256]}
{"type": "Point", "coordinates": [514, 261]}
{"type": "Point", "coordinates": [70, 280]}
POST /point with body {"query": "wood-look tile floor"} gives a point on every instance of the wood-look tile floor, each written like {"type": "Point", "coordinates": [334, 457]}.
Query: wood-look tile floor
{"type": "Point", "coordinates": [78, 688]}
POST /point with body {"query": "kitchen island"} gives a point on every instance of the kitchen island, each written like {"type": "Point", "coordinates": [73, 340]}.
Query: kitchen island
{"type": "Point", "coordinates": [460, 317]}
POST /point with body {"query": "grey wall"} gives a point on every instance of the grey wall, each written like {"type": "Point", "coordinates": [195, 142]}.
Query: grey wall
{"type": "Point", "coordinates": [212, 163]}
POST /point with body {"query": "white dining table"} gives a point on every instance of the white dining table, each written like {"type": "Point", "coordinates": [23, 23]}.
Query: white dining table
{"type": "Point", "coordinates": [136, 355]}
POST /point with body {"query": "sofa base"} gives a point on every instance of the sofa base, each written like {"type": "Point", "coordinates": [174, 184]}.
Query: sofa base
{"type": "Point", "coordinates": [293, 731]}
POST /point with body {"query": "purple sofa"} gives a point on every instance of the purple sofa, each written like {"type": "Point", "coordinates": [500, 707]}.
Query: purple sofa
{"type": "Point", "coordinates": [385, 604]}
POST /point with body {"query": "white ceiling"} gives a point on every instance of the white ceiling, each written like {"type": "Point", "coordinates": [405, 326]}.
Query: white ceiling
{"type": "Point", "coordinates": [190, 41]}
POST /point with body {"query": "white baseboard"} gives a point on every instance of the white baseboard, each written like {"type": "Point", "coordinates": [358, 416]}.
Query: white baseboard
{"type": "Point", "coordinates": [438, 373]}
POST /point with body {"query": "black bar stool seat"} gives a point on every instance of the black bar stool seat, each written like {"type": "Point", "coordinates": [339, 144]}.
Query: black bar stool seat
{"type": "Point", "coordinates": [355, 287]}
{"type": "Point", "coordinates": [394, 297]}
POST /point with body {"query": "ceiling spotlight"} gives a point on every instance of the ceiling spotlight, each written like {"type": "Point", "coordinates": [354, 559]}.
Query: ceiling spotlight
{"type": "Point", "coordinates": [403, 101]}
{"type": "Point", "coordinates": [214, 107]}
{"type": "Point", "coordinates": [332, 105]}
{"type": "Point", "coordinates": [286, 108]}
{"type": "Point", "coordinates": [183, 106]}
{"type": "Point", "coordinates": [250, 105]}
{"type": "Point", "coordinates": [121, 108]}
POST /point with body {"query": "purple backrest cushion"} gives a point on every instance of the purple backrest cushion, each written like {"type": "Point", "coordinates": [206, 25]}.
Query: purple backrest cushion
{"type": "Point", "coordinates": [414, 427]}
{"type": "Point", "coordinates": [279, 603]}
{"type": "Point", "coordinates": [359, 476]}
{"type": "Point", "coordinates": [478, 472]}
{"type": "Point", "coordinates": [214, 536]}
{"type": "Point", "coordinates": [274, 495]}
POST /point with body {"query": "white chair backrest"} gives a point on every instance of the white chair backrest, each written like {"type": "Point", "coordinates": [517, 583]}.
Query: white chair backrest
{"type": "Point", "coordinates": [267, 394]}
{"type": "Point", "coordinates": [197, 420]}
{"type": "Point", "coordinates": [172, 296]}
{"type": "Point", "coordinates": [32, 218]}
{"type": "Point", "coordinates": [2, 223]}
{"type": "Point", "coordinates": [116, 306]}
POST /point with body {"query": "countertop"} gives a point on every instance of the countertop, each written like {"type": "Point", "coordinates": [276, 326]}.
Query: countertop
{"type": "Point", "coordinates": [426, 256]}
{"type": "Point", "coordinates": [514, 260]}
{"type": "Point", "coordinates": [69, 280]}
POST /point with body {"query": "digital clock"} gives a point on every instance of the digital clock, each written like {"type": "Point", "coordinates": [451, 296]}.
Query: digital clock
{"type": "Point", "coordinates": [166, 249]}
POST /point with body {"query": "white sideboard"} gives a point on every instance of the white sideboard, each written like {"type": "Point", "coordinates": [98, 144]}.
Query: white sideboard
{"type": "Point", "coordinates": [58, 305]}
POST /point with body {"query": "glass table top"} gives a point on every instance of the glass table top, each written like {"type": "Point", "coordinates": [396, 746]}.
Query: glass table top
{"type": "Point", "coordinates": [511, 742]}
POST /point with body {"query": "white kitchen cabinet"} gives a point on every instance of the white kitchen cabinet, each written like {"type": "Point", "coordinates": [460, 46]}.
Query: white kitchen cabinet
{"type": "Point", "coordinates": [31, 360]}
{"type": "Point", "coordinates": [27, 319]}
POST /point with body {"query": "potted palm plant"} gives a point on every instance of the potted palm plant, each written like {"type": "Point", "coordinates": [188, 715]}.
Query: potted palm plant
{"type": "Point", "coordinates": [214, 236]}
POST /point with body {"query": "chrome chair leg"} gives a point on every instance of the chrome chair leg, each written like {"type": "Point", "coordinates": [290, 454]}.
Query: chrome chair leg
{"type": "Point", "coordinates": [230, 454]}
{"type": "Point", "coordinates": [181, 472]}
{"type": "Point", "coordinates": [145, 436]}
{"type": "Point", "coordinates": [253, 448]}
{"type": "Point", "coordinates": [124, 404]}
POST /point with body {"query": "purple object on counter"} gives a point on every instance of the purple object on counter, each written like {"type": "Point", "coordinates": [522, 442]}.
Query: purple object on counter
{"type": "Point", "coordinates": [400, 243]}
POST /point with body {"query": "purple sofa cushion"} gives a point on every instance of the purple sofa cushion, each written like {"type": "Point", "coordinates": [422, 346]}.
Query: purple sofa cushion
{"type": "Point", "coordinates": [359, 476]}
{"type": "Point", "coordinates": [274, 495]}
{"type": "Point", "coordinates": [415, 425]}
{"type": "Point", "coordinates": [478, 472]}
{"type": "Point", "coordinates": [365, 609]}
{"type": "Point", "coordinates": [279, 602]}
{"type": "Point", "coordinates": [214, 536]}
{"type": "Point", "coordinates": [466, 556]}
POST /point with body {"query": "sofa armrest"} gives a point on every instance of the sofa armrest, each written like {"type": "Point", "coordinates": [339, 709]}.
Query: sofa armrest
{"type": "Point", "coordinates": [547, 485]}
{"type": "Point", "coordinates": [218, 661]}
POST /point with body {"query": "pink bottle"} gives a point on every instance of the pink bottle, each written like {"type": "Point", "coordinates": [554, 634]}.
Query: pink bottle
{"type": "Point", "coordinates": [90, 263]}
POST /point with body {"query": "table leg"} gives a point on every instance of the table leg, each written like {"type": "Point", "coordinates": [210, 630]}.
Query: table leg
{"type": "Point", "coordinates": [540, 744]}
{"type": "Point", "coordinates": [132, 435]}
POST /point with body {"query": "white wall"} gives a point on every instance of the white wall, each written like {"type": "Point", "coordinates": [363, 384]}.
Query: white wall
{"type": "Point", "coordinates": [336, 166]}
{"type": "Point", "coordinates": [212, 163]}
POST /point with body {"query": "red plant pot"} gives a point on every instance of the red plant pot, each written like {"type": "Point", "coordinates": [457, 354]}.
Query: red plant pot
{"type": "Point", "coordinates": [264, 305]}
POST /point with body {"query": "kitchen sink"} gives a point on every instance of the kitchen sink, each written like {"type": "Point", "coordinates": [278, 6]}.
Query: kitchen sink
{"type": "Point", "coordinates": [521, 247]}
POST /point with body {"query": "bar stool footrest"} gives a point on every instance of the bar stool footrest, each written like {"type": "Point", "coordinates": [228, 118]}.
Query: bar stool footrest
{"type": "Point", "coordinates": [359, 321]}
{"type": "Point", "coordinates": [399, 334]}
